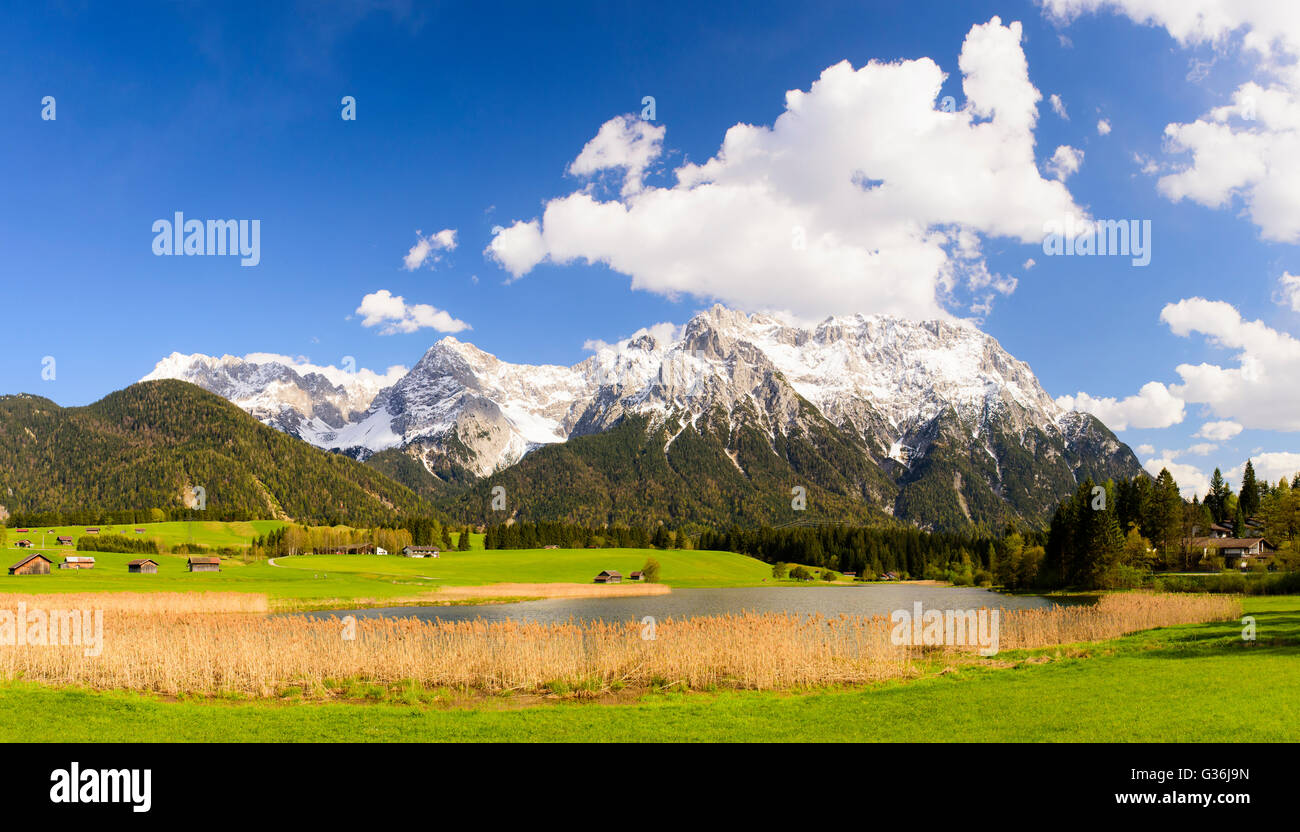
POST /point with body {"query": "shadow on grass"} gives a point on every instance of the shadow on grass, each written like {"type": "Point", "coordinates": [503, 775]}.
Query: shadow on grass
{"type": "Point", "coordinates": [1276, 632]}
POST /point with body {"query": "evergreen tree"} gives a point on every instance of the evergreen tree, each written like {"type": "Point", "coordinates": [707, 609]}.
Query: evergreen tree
{"type": "Point", "coordinates": [463, 543]}
{"type": "Point", "coordinates": [1248, 500]}
{"type": "Point", "coordinates": [1217, 498]}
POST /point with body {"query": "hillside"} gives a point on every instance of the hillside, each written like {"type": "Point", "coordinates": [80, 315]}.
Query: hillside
{"type": "Point", "coordinates": [139, 450]}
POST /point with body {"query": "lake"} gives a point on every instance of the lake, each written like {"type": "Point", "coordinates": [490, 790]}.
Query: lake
{"type": "Point", "coordinates": [871, 599]}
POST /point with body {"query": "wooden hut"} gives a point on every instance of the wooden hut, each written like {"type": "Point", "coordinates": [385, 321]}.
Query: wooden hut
{"type": "Point", "coordinates": [63, 541]}
{"type": "Point", "coordinates": [145, 566]}
{"type": "Point", "coordinates": [637, 576]}
{"type": "Point", "coordinates": [24, 544]}
{"type": "Point", "coordinates": [77, 562]}
{"type": "Point", "coordinates": [205, 564]}
{"type": "Point", "coordinates": [609, 576]}
{"type": "Point", "coordinates": [36, 564]}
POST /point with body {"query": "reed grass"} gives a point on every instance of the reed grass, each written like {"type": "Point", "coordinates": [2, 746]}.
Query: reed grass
{"type": "Point", "coordinates": [192, 644]}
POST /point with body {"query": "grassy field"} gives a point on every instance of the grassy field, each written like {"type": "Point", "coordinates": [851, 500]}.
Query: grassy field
{"type": "Point", "coordinates": [211, 534]}
{"type": "Point", "coordinates": [314, 580]}
{"type": "Point", "coordinates": [1196, 683]}
{"type": "Point", "coordinates": [680, 568]}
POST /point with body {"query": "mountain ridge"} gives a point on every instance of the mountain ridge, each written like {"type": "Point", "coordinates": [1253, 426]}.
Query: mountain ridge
{"type": "Point", "coordinates": [944, 420]}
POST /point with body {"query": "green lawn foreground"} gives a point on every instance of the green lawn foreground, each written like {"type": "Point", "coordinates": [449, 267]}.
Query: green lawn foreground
{"type": "Point", "coordinates": [1198, 683]}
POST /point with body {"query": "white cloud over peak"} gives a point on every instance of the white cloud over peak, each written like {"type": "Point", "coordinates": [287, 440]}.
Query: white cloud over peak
{"type": "Point", "coordinates": [1155, 406]}
{"type": "Point", "coordinates": [396, 315]}
{"type": "Point", "coordinates": [336, 375]}
{"type": "Point", "coordinates": [862, 196]}
{"type": "Point", "coordinates": [426, 249]}
{"type": "Point", "coordinates": [665, 332]}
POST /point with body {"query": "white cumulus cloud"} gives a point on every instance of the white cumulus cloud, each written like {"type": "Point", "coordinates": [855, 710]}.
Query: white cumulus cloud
{"type": "Point", "coordinates": [1260, 391]}
{"type": "Point", "coordinates": [426, 249]}
{"type": "Point", "coordinates": [1218, 431]}
{"type": "Point", "coordinates": [396, 315]}
{"type": "Point", "coordinates": [1191, 480]}
{"type": "Point", "coordinates": [1247, 151]}
{"type": "Point", "coordinates": [1065, 162]}
{"type": "Point", "coordinates": [862, 196]}
{"type": "Point", "coordinates": [1154, 406]}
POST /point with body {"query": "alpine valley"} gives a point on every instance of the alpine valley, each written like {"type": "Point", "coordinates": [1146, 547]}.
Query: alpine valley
{"type": "Point", "coordinates": [719, 422]}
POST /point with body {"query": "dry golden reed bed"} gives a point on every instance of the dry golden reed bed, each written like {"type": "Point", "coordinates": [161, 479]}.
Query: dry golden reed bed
{"type": "Point", "coordinates": [152, 603]}
{"type": "Point", "coordinates": [202, 652]}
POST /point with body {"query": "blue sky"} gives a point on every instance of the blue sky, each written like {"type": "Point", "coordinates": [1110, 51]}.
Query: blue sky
{"type": "Point", "coordinates": [469, 119]}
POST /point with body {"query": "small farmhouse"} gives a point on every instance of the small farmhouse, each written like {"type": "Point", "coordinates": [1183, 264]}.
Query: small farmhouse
{"type": "Point", "coordinates": [421, 551]}
{"type": "Point", "coordinates": [1237, 552]}
{"type": "Point", "coordinates": [205, 564]}
{"type": "Point", "coordinates": [24, 544]}
{"type": "Point", "coordinates": [636, 576]}
{"type": "Point", "coordinates": [36, 564]}
{"type": "Point", "coordinates": [380, 550]}
{"type": "Point", "coordinates": [145, 566]}
{"type": "Point", "coordinates": [77, 562]}
{"type": "Point", "coordinates": [609, 576]}
{"type": "Point", "coordinates": [63, 541]}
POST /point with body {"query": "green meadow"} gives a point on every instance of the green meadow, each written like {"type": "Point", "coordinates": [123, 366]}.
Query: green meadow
{"type": "Point", "coordinates": [169, 534]}
{"type": "Point", "coordinates": [679, 568]}
{"type": "Point", "coordinates": [1195, 683]}
{"type": "Point", "coordinates": [313, 580]}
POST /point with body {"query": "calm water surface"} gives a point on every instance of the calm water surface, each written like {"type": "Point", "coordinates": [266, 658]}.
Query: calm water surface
{"type": "Point", "coordinates": [878, 599]}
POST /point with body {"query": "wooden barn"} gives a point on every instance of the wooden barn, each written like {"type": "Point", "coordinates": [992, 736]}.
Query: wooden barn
{"type": "Point", "coordinates": [24, 544]}
{"type": "Point", "coordinates": [636, 576]}
{"type": "Point", "coordinates": [36, 564]}
{"type": "Point", "coordinates": [77, 562]}
{"type": "Point", "coordinates": [92, 530]}
{"type": "Point", "coordinates": [205, 564]}
{"type": "Point", "coordinates": [146, 566]}
{"type": "Point", "coordinates": [609, 576]}
{"type": "Point", "coordinates": [63, 541]}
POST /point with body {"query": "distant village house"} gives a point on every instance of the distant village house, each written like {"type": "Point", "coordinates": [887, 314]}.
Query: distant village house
{"type": "Point", "coordinates": [77, 562]}
{"type": "Point", "coordinates": [63, 541]}
{"type": "Point", "coordinates": [421, 551]}
{"type": "Point", "coordinates": [1237, 552]}
{"type": "Point", "coordinates": [146, 566]}
{"type": "Point", "coordinates": [205, 564]}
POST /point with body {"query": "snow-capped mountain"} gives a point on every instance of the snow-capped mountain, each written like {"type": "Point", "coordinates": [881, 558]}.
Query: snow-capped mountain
{"type": "Point", "coordinates": [301, 399]}
{"type": "Point", "coordinates": [903, 395]}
